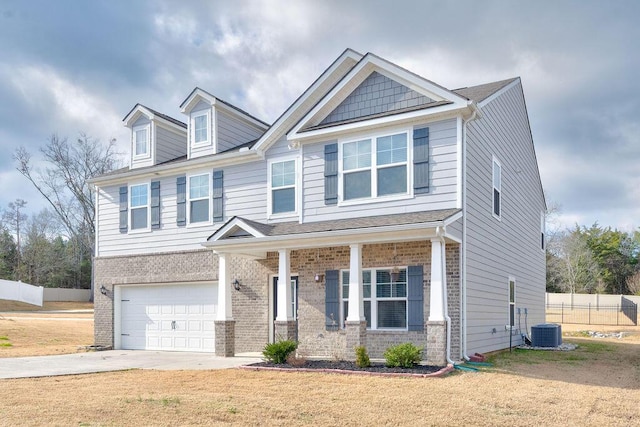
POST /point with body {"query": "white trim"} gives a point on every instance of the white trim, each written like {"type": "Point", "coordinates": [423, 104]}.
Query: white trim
{"type": "Point", "coordinates": [236, 222]}
{"type": "Point", "coordinates": [131, 208]}
{"type": "Point", "coordinates": [373, 299]}
{"type": "Point", "coordinates": [515, 299]}
{"type": "Point", "coordinates": [207, 118]}
{"type": "Point", "coordinates": [268, 138]}
{"type": "Point", "coordinates": [374, 167]}
{"type": "Point", "coordinates": [209, 220]}
{"type": "Point", "coordinates": [494, 162]}
{"type": "Point", "coordinates": [367, 65]}
{"type": "Point", "coordinates": [134, 142]}
{"type": "Point", "coordinates": [139, 110]}
{"type": "Point", "coordinates": [296, 189]}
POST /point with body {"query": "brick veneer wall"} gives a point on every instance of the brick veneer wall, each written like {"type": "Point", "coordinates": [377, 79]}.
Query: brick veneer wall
{"type": "Point", "coordinates": [251, 302]}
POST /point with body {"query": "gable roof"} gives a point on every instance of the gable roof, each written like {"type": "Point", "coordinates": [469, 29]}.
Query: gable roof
{"type": "Point", "coordinates": [481, 92]}
{"type": "Point", "coordinates": [139, 108]}
{"type": "Point", "coordinates": [201, 93]}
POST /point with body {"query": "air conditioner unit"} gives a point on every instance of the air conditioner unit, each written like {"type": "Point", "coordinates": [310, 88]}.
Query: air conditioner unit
{"type": "Point", "coordinates": [546, 335]}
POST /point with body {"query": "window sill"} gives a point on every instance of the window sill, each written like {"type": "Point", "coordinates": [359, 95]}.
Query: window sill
{"type": "Point", "coordinates": [139, 231]}
{"type": "Point", "coordinates": [199, 224]}
{"type": "Point", "coordinates": [371, 200]}
{"type": "Point", "coordinates": [285, 215]}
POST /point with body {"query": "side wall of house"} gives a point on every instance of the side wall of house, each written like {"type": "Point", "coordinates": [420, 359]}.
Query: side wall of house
{"type": "Point", "coordinates": [169, 144]}
{"type": "Point", "coordinates": [497, 249]}
{"type": "Point", "coordinates": [233, 131]}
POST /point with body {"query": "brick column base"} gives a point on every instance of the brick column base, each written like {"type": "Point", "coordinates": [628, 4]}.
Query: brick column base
{"type": "Point", "coordinates": [356, 336]}
{"type": "Point", "coordinates": [437, 343]}
{"type": "Point", "coordinates": [225, 338]}
{"type": "Point", "coordinates": [286, 330]}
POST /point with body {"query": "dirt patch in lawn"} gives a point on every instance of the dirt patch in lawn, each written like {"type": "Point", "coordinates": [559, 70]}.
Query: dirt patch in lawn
{"type": "Point", "coordinates": [13, 306]}
{"type": "Point", "coordinates": [522, 389]}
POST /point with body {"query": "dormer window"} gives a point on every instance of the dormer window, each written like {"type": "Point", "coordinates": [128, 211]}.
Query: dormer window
{"type": "Point", "coordinates": [200, 128]}
{"type": "Point", "coordinates": [141, 141]}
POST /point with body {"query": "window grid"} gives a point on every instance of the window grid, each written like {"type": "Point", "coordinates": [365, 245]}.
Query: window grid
{"type": "Point", "coordinates": [199, 198]}
{"type": "Point", "coordinates": [375, 167]}
{"type": "Point", "coordinates": [381, 297]}
{"type": "Point", "coordinates": [141, 141]}
{"type": "Point", "coordinates": [283, 187]}
{"type": "Point", "coordinates": [200, 128]}
{"type": "Point", "coordinates": [139, 201]}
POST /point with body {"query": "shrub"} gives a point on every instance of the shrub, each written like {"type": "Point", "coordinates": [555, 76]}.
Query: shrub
{"type": "Point", "coordinates": [277, 352]}
{"type": "Point", "coordinates": [362, 358]}
{"type": "Point", "coordinates": [296, 360]}
{"type": "Point", "coordinates": [402, 355]}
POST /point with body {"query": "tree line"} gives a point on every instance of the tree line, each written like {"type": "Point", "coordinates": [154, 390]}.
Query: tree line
{"type": "Point", "coordinates": [593, 259]}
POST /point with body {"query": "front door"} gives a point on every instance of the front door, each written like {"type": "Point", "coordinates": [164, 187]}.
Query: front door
{"type": "Point", "coordinates": [274, 304]}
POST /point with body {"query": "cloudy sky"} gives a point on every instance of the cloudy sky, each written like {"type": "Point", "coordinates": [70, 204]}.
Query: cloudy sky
{"type": "Point", "coordinates": [79, 66]}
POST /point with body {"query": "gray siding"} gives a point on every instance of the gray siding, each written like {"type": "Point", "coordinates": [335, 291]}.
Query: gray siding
{"type": "Point", "coordinates": [497, 249]}
{"type": "Point", "coordinates": [442, 192]}
{"type": "Point", "coordinates": [232, 131]}
{"type": "Point", "coordinates": [169, 144]}
{"type": "Point", "coordinates": [376, 94]}
{"type": "Point", "coordinates": [244, 195]}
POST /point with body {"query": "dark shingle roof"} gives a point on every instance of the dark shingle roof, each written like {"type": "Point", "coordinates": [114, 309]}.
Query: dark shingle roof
{"type": "Point", "coordinates": [295, 228]}
{"type": "Point", "coordinates": [481, 92]}
{"type": "Point", "coordinates": [159, 114]}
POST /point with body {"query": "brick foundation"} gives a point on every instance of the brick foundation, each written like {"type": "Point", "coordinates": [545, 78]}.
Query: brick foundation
{"type": "Point", "coordinates": [356, 335]}
{"type": "Point", "coordinates": [436, 343]}
{"type": "Point", "coordinates": [225, 338]}
{"type": "Point", "coordinates": [286, 330]}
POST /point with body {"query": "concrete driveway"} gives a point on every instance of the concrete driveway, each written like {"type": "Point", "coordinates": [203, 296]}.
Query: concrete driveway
{"type": "Point", "coordinates": [115, 360]}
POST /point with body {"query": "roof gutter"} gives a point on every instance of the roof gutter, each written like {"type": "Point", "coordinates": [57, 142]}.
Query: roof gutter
{"type": "Point", "coordinates": [244, 155]}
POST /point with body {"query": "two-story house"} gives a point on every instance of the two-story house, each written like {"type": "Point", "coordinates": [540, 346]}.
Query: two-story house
{"type": "Point", "coordinates": [396, 210]}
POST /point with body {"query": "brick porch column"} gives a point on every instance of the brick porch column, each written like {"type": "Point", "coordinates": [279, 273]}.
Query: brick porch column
{"type": "Point", "coordinates": [436, 324]}
{"type": "Point", "coordinates": [356, 324]}
{"type": "Point", "coordinates": [224, 323]}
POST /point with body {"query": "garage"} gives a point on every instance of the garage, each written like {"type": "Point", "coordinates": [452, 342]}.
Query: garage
{"type": "Point", "coordinates": [166, 317]}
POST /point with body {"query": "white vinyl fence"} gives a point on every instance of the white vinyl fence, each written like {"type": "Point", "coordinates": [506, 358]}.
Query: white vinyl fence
{"type": "Point", "coordinates": [18, 291]}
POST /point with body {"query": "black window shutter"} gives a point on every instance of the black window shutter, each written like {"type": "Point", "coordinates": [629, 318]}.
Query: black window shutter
{"type": "Point", "coordinates": [421, 161]}
{"type": "Point", "coordinates": [124, 209]}
{"type": "Point", "coordinates": [181, 197]}
{"type": "Point", "coordinates": [218, 186]}
{"type": "Point", "coordinates": [331, 174]}
{"type": "Point", "coordinates": [155, 204]}
{"type": "Point", "coordinates": [415, 298]}
{"type": "Point", "coordinates": [332, 300]}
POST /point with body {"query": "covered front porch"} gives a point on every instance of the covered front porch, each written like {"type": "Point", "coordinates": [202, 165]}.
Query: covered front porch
{"type": "Point", "coordinates": [372, 285]}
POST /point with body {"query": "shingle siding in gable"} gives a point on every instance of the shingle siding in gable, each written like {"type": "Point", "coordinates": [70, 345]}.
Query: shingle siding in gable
{"type": "Point", "coordinates": [376, 94]}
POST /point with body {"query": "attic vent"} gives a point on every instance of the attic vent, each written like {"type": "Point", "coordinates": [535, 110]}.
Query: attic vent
{"type": "Point", "coordinates": [546, 335]}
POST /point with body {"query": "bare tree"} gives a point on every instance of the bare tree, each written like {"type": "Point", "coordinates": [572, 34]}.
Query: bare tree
{"type": "Point", "coordinates": [63, 183]}
{"type": "Point", "coordinates": [14, 218]}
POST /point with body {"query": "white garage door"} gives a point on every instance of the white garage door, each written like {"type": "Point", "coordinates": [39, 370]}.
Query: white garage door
{"type": "Point", "coordinates": [172, 317]}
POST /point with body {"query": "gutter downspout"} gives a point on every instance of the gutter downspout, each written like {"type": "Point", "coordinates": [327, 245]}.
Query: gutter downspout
{"type": "Point", "coordinates": [440, 231]}
{"type": "Point", "coordinates": [463, 267]}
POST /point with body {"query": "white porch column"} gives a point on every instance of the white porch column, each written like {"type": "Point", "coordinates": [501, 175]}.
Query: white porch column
{"type": "Point", "coordinates": [436, 308]}
{"type": "Point", "coordinates": [356, 304]}
{"type": "Point", "coordinates": [224, 288]}
{"type": "Point", "coordinates": [285, 309]}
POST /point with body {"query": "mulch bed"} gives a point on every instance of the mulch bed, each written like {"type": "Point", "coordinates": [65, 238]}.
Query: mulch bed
{"type": "Point", "coordinates": [346, 367]}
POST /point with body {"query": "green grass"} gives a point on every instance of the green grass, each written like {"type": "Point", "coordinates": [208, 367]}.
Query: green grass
{"type": "Point", "coordinates": [585, 351]}
{"type": "Point", "coordinates": [4, 338]}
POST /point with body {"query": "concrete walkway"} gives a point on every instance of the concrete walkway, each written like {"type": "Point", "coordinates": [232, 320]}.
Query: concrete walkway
{"type": "Point", "coordinates": [114, 360]}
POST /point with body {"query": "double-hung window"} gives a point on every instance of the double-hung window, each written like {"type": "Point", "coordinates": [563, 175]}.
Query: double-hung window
{"type": "Point", "coordinates": [283, 187]}
{"type": "Point", "coordinates": [497, 188]}
{"type": "Point", "coordinates": [139, 207]}
{"type": "Point", "coordinates": [200, 129]}
{"type": "Point", "coordinates": [385, 300]}
{"type": "Point", "coordinates": [141, 141]}
{"type": "Point", "coordinates": [375, 167]}
{"type": "Point", "coordinates": [199, 198]}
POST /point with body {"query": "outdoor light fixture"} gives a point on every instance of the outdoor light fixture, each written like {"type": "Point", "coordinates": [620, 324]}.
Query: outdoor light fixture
{"type": "Point", "coordinates": [103, 290]}
{"type": "Point", "coordinates": [395, 271]}
{"type": "Point", "coordinates": [319, 278]}
{"type": "Point", "coordinates": [236, 284]}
